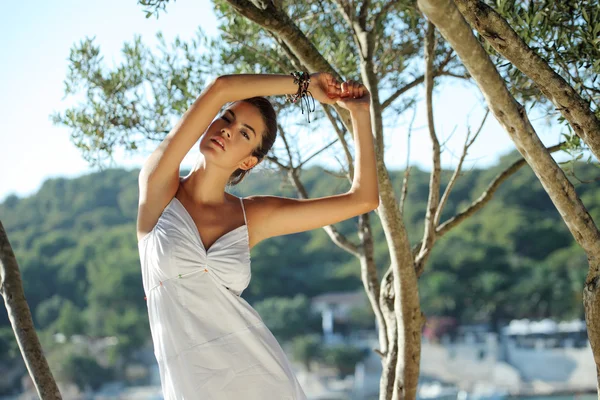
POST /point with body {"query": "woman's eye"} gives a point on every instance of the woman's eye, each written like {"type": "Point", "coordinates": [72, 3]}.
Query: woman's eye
{"type": "Point", "coordinates": [246, 135]}
{"type": "Point", "coordinates": [225, 118]}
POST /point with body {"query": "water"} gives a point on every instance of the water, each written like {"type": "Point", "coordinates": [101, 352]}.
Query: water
{"type": "Point", "coordinates": [571, 397]}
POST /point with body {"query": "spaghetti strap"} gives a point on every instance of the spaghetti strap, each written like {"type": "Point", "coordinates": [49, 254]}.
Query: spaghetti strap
{"type": "Point", "coordinates": [244, 210]}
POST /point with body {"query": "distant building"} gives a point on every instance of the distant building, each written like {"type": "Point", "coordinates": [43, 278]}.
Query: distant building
{"type": "Point", "coordinates": [546, 333]}
{"type": "Point", "coordinates": [335, 308]}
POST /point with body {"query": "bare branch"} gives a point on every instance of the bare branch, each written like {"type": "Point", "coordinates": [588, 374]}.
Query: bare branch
{"type": "Point", "coordinates": [401, 91]}
{"type": "Point", "coordinates": [407, 169]}
{"type": "Point", "coordinates": [434, 181]}
{"type": "Point", "coordinates": [11, 289]}
{"type": "Point", "coordinates": [334, 174]}
{"type": "Point", "coordinates": [369, 275]}
{"type": "Point", "coordinates": [487, 194]}
{"type": "Point", "coordinates": [333, 233]}
{"type": "Point", "coordinates": [483, 199]}
{"type": "Point", "coordinates": [286, 143]}
{"type": "Point", "coordinates": [468, 143]}
{"type": "Point", "coordinates": [337, 238]}
{"type": "Point", "coordinates": [276, 161]}
{"type": "Point", "coordinates": [439, 70]}
{"type": "Point", "coordinates": [465, 76]}
{"type": "Point", "coordinates": [342, 138]}
{"type": "Point", "coordinates": [317, 153]}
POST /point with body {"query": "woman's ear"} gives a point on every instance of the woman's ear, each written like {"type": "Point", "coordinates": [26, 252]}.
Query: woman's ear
{"type": "Point", "coordinates": [248, 163]}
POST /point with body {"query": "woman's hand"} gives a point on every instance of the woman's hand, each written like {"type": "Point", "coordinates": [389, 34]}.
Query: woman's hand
{"type": "Point", "coordinates": [354, 97]}
{"type": "Point", "coordinates": [324, 87]}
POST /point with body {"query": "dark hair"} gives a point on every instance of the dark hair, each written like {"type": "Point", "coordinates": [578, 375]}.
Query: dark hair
{"type": "Point", "coordinates": [267, 138]}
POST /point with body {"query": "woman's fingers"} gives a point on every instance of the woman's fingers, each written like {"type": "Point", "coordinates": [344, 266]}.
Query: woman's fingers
{"type": "Point", "coordinates": [332, 87]}
{"type": "Point", "coordinates": [348, 89]}
{"type": "Point", "coordinates": [353, 91]}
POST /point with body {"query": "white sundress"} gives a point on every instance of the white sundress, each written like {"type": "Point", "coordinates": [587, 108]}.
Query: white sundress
{"type": "Point", "coordinates": [209, 342]}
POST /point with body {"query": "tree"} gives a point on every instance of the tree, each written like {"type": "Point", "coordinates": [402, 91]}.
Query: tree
{"type": "Point", "coordinates": [272, 37]}
{"type": "Point", "coordinates": [449, 18]}
{"type": "Point", "coordinates": [11, 289]}
{"type": "Point", "coordinates": [344, 358]}
{"type": "Point", "coordinates": [287, 318]}
{"type": "Point", "coordinates": [306, 348]}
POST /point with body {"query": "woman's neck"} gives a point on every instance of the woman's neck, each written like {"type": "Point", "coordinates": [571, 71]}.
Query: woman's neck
{"type": "Point", "coordinates": [205, 185]}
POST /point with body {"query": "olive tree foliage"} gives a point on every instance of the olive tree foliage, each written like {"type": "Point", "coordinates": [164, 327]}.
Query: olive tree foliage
{"type": "Point", "coordinates": [135, 103]}
{"type": "Point", "coordinates": [565, 35]}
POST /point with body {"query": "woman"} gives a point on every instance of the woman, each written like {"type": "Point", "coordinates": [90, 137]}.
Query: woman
{"type": "Point", "coordinates": [194, 238]}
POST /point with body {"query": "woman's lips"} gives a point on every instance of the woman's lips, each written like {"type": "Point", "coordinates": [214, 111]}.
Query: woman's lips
{"type": "Point", "coordinates": [215, 140]}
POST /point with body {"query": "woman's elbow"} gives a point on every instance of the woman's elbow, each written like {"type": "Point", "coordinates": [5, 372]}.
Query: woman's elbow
{"type": "Point", "coordinates": [220, 86]}
{"type": "Point", "coordinates": [369, 205]}
{"type": "Point", "coordinates": [373, 204]}
{"type": "Point", "coordinates": [364, 204]}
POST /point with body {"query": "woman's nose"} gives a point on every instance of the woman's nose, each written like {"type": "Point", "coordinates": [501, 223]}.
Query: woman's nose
{"type": "Point", "coordinates": [226, 131]}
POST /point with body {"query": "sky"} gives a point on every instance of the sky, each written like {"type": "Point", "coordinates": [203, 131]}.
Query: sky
{"type": "Point", "coordinates": [36, 37]}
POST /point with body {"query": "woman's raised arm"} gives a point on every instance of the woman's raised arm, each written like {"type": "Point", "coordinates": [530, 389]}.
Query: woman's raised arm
{"type": "Point", "coordinates": [281, 216]}
{"type": "Point", "coordinates": [159, 177]}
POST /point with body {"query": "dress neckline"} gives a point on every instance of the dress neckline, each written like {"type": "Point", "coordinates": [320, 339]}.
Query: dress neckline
{"type": "Point", "coordinates": [189, 216]}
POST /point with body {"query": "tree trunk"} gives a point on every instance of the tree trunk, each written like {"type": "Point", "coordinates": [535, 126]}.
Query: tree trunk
{"type": "Point", "coordinates": [390, 357]}
{"type": "Point", "coordinates": [591, 304]}
{"type": "Point", "coordinates": [370, 280]}
{"type": "Point", "coordinates": [407, 310]}
{"type": "Point", "coordinates": [11, 288]}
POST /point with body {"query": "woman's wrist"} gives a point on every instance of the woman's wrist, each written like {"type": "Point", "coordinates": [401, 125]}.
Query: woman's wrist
{"type": "Point", "coordinates": [360, 111]}
{"type": "Point", "coordinates": [242, 86]}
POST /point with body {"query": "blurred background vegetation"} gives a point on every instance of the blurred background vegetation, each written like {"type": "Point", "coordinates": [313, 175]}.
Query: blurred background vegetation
{"type": "Point", "coordinates": [76, 246]}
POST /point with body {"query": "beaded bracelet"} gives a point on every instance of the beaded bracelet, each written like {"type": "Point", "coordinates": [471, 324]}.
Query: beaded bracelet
{"type": "Point", "coordinates": [302, 79]}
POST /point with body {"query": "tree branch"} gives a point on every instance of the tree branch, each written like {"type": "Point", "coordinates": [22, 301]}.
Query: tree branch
{"type": "Point", "coordinates": [513, 118]}
{"type": "Point", "coordinates": [439, 70]}
{"type": "Point", "coordinates": [407, 169]}
{"type": "Point", "coordinates": [483, 199]}
{"type": "Point", "coordinates": [468, 143]}
{"type": "Point", "coordinates": [434, 181]}
{"type": "Point", "coordinates": [339, 239]}
{"type": "Point", "coordinates": [381, 14]}
{"type": "Point", "coordinates": [507, 42]}
{"type": "Point", "coordinates": [317, 153]}
{"type": "Point", "coordinates": [487, 193]}
{"type": "Point", "coordinates": [363, 12]}
{"type": "Point", "coordinates": [276, 21]}
{"type": "Point", "coordinates": [401, 91]}
{"type": "Point", "coordinates": [342, 138]}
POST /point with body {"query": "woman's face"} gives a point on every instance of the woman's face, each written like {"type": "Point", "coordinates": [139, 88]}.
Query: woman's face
{"type": "Point", "coordinates": [239, 129]}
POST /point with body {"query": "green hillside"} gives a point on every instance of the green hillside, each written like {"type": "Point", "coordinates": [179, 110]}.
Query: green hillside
{"type": "Point", "coordinates": [76, 246]}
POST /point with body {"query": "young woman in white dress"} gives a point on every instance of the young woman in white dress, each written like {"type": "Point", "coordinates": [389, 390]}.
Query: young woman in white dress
{"type": "Point", "coordinates": [194, 238]}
